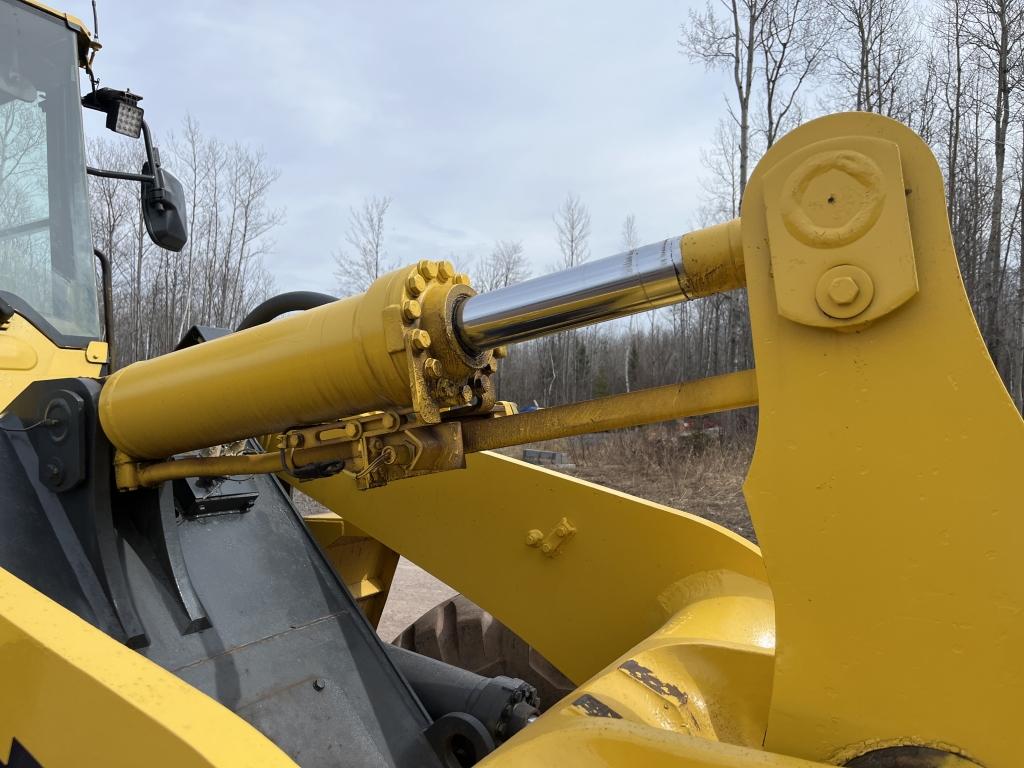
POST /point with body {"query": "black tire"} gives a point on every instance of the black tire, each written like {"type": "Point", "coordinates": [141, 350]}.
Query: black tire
{"type": "Point", "coordinates": [461, 633]}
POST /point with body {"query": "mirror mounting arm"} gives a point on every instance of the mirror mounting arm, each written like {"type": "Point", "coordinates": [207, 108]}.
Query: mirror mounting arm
{"type": "Point", "coordinates": [152, 155]}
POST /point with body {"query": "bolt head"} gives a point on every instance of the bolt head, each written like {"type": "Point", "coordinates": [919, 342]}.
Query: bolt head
{"type": "Point", "coordinates": [411, 309]}
{"type": "Point", "coordinates": [534, 537]}
{"type": "Point", "coordinates": [319, 684]}
{"type": "Point", "coordinates": [420, 339]}
{"type": "Point", "coordinates": [462, 279]}
{"type": "Point", "coordinates": [467, 394]}
{"type": "Point", "coordinates": [428, 269]}
{"type": "Point", "coordinates": [843, 290]}
{"type": "Point", "coordinates": [415, 284]}
{"type": "Point", "coordinates": [432, 368]}
{"type": "Point", "coordinates": [500, 352]}
{"type": "Point", "coordinates": [445, 270]}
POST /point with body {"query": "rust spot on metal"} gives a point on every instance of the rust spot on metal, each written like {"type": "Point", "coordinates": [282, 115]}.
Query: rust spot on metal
{"type": "Point", "coordinates": [593, 707]}
{"type": "Point", "coordinates": [643, 675]}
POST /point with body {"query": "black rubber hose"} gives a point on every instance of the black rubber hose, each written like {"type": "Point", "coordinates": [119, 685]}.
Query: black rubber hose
{"type": "Point", "coordinates": [294, 301]}
{"type": "Point", "coordinates": [108, 305]}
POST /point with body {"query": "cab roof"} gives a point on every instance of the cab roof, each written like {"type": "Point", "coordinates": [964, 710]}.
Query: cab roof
{"type": "Point", "coordinates": [87, 47]}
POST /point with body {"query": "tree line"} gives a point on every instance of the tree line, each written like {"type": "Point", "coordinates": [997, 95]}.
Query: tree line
{"type": "Point", "coordinates": [952, 70]}
{"type": "Point", "coordinates": [220, 275]}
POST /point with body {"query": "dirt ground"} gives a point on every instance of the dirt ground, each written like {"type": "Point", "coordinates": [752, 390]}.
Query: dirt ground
{"type": "Point", "coordinates": [702, 477]}
{"type": "Point", "coordinates": [413, 593]}
{"type": "Point", "coordinates": [700, 474]}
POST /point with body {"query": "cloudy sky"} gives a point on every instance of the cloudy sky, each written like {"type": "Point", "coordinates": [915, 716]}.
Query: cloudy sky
{"type": "Point", "coordinates": [475, 117]}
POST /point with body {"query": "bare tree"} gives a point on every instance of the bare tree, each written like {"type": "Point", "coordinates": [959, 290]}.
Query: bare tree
{"type": "Point", "coordinates": [721, 185]}
{"type": "Point", "coordinates": [368, 259]}
{"type": "Point", "coordinates": [220, 275]}
{"type": "Point", "coordinates": [791, 43]}
{"type": "Point", "coordinates": [996, 31]}
{"type": "Point", "coordinates": [875, 47]}
{"type": "Point", "coordinates": [630, 234]}
{"type": "Point", "coordinates": [505, 265]}
{"type": "Point", "coordinates": [572, 221]}
{"type": "Point", "coordinates": [731, 42]}
{"type": "Point", "coordinates": [630, 242]}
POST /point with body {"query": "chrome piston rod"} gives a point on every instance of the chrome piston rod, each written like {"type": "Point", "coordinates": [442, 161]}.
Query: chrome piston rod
{"type": "Point", "coordinates": [673, 270]}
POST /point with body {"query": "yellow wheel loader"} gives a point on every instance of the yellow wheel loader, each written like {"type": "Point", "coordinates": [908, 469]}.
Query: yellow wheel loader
{"type": "Point", "coordinates": [162, 602]}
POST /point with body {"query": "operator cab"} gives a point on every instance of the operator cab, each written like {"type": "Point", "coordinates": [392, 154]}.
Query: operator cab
{"type": "Point", "coordinates": [47, 260]}
{"type": "Point", "coordinates": [47, 271]}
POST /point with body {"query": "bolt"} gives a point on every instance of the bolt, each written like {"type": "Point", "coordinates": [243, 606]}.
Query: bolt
{"type": "Point", "coordinates": [462, 279]}
{"type": "Point", "coordinates": [843, 290]}
{"type": "Point", "coordinates": [420, 339]}
{"type": "Point", "coordinates": [428, 269]}
{"type": "Point", "coordinates": [432, 368]}
{"type": "Point", "coordinates": [319, 684]}
{"type": "Point", "coordinates": [545, 548]}
{"type": "Point", "coordinates": [534, 537]}
{"type": "Point", "coordinates": [467, 394]}
{"type": "Point", "coordinates": [389, 421]}
{"type": "Point", "coordinates": [415, 284]}
{"type": "Point", "coordinates": [561, 531]}
{"type": "Point", "coordinates": [500, 352]}
{"type": "Point", "coordinates": [411, 309]}
{"type": "Point", "coordinates": [445, 270]}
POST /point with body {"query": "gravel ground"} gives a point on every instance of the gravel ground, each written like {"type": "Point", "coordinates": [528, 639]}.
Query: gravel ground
{"type": "Point", "coordinates": [413, 593]}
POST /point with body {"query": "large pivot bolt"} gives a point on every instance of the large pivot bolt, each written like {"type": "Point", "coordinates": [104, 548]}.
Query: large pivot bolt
{"type": "Point", "coordinates": [844, 291]}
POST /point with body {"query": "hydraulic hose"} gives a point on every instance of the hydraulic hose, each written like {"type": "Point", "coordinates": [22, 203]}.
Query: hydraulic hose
{"type": "Point", "coordinates": [275, 306]}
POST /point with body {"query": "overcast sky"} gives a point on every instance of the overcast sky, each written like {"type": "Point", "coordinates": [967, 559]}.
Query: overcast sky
{"type": "Point", "coordinates": [475, 117]}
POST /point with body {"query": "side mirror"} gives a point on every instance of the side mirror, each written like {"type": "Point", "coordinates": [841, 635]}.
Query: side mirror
{"type": "Point", "coordinates": [163, 209]}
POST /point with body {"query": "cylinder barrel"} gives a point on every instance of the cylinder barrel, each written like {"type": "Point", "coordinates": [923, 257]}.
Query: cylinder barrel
{"type": "Point", "coordinates": [327, 362]}
{"type": "Point", "coordinates": [673, 270]}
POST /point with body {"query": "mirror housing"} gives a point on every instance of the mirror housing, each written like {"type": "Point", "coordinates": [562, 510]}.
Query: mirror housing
{"type": "Point", "coordinates": [163, 208]}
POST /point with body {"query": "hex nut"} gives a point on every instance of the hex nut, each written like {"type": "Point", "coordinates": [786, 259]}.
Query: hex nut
{"type": "Point", "coordinates": [411, 309]}
{"type": "Point", "coordinates": [462, 279]}
{"type": "Point", "coordinates": [843, 290]}
{"type": "Point", "coordinates": [432, 368]}
{"type": "Point", "coordinates": [445, 270]}
{"type": "Point", "coordinates": [415, 284]}
{"type": "Point", "coordinates": [420, 339]}
{"type": "Point", "coordinates": [428, 269]}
